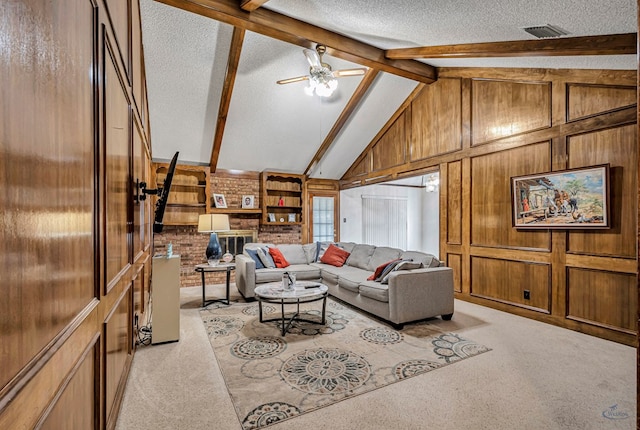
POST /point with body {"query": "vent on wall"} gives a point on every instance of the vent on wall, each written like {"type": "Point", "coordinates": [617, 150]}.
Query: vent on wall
{"type": "Point", "coordinates": [545, 31]}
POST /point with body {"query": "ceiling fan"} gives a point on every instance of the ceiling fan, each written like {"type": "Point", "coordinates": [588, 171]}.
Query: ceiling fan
{"type": "Point", "coordinates": [322, 79]}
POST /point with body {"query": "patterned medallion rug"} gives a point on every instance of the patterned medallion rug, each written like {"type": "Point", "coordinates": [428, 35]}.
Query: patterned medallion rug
{"type": "Point", "coordinates": [272, 378]}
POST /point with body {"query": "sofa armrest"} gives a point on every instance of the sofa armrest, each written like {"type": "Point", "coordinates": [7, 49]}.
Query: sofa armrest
{"type": "Point", "coordinates": [419, 292]}
{"type": "Point", "coordinates": [245, 275]}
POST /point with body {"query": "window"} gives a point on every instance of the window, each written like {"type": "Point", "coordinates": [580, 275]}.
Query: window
{"type": "Point", "coordinates": [323, 210]}
{"type": "Point", "coordinates": [384, 221]}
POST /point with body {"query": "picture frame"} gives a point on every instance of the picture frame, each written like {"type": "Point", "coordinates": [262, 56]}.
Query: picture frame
{"type": "Point", "coordinates": [566, 199]}
{"type": "Point", "coordinates": [292, 217]}
{"type": "Point", "coordinates": [271, 216]}
{"type": "Point", "coordinates": [247, 201]}
{"type": "Point", "coordinates": [219, 201]}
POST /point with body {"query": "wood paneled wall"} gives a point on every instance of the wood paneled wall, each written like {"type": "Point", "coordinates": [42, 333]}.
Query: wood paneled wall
{"type": "Point", "coordinates": [480, 127]}
{"type": "Point", "coordinates": [74, 246]}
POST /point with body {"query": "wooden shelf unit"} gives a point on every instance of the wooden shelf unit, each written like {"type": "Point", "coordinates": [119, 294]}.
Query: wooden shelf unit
{"type": "Point", "coordinates": [189, 196]}
{"type": "Point", "coordinates": [286, 186]}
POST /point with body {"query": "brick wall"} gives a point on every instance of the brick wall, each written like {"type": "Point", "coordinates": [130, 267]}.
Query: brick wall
{"type": "Point", "coordinates": [191, 245]}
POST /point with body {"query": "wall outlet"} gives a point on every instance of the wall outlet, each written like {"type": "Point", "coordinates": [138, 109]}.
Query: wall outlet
{"type": "Point", "coordinates": [527, 294]}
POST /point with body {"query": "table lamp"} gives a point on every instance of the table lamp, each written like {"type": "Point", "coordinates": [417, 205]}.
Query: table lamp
{"type": "Point", "coordinates": [211, 223]}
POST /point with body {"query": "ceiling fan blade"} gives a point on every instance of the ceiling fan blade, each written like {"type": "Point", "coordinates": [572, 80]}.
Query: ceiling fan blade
{"type": "Point", "coordinates": [349, 72]}
{"type": "Point", "coordinates": [291, 80]}
{"type": "Point", "coordinates": [312, 57]}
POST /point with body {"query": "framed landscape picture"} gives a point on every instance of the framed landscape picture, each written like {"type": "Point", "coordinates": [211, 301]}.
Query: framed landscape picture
{"type": "Point", "coordinates": [576, 198]}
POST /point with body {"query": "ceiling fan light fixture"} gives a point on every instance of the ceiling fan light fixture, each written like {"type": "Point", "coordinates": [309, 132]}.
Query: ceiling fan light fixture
{"type": "Point", "coordinates": [321, 82]}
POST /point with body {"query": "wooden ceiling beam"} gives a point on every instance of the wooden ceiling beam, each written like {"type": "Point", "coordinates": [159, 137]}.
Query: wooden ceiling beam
{"type": "Point", "coordinates": [611, 44]}
{"type": "Point", "coordinates": [251, 5]}
{"type": "Point", "coordinates": [346, 113]}
{"type": "Point", "coordinates": [291, 30]}
{"type": "Point", "coordinates": [227, 89]}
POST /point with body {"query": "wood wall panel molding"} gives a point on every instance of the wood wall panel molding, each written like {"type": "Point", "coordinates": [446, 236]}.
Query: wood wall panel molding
{"type": "Point", "coordinates": [117, 138]}
{"type": "Point", "coordinates": [436, 119]}
{"type": "Point", "coordinates": [607, 120]}
{"type": "Point", "coordinates": [39, 386]}
{"type": "Point", "coordinates": [390, 150]}
{"type": "Point", "coordinates": [583, 76]}
{"type": "Point", "coordinates": [47, 257]}
{"type": "Point", "coordinates": [587, 100]}
{"type": "Point", "coordinates": [617, 147]}
{"type": "Point", "coordinates": [491, 214]}
{"type": "Point", "coordinates": [454, 203]}
{"type": "Point", "coordinates": [612, 264]}
{"type": "Point", "coordinates": [507, 280]}
{"type": "Point", "coordinates": [116, 331]}
{"type": "Point", "coordinates": [78, 394]}
{"type": "Point", "coordinates": [602, 298]}
{"type": "Point", "coordinates": [455, 262]}
{"type": "Point", "coordinates": [506, 108]}
{"type": "Point", "coordinates": [505, 253]}
{"type": "Point", "coordinates": [119, 14]}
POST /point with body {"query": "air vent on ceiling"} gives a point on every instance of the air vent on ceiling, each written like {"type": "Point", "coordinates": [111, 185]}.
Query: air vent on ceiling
{"type": "Point", "coordinates": [545, 31]}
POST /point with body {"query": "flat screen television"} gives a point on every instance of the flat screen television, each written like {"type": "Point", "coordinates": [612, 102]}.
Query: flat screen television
{"type": "Point", "coordinates": [161, 204]}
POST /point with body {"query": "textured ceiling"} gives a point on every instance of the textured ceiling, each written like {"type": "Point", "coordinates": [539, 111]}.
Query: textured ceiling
{"type": "Point", "coordinates": [278, 127]}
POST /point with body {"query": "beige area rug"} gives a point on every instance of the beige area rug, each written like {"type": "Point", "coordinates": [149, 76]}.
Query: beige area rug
{"type": "Point", "coordinates": [272, 378]}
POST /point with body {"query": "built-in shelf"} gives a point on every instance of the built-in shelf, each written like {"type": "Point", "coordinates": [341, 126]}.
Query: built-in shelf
{"type": "Point", "coordinates": [189, 195]}
{"type": "Point", "coordinates": [282, 198]}
{"type": "Point", "coordinates": [236, 211]}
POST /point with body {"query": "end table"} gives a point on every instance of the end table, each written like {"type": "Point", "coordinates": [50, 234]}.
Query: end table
{"type": "Point", "coordinates": [204, 268]}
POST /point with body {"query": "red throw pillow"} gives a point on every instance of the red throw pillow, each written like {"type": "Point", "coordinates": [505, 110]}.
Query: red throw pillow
{"type": "Point", "coordinates": [379, 270]}
{"type": "Point", "coordinates": [334, 256]}
{"type": "Point", "coordinates": [278, 258]}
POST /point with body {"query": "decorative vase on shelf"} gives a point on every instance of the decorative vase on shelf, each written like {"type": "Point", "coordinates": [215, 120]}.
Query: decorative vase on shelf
{"type": "Point", "coordinates": [214, 251]}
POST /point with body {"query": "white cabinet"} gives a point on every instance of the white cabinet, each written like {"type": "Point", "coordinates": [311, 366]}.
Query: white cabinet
{"type": "Point", "coordinates": [165, 299]}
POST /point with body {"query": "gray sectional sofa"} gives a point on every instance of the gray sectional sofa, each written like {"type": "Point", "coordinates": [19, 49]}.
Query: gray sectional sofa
{"type": "Point", "coordinates": [409, 295]}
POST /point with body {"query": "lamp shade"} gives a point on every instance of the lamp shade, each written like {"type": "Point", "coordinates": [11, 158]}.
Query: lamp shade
{"type": "Point", "coordinates": [209, 223]}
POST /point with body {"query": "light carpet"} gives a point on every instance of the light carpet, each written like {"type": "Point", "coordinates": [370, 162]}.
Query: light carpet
{"type": "Point", "coordinates": [271, 378]}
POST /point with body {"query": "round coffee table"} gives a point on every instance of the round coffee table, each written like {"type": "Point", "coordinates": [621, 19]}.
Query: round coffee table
{"type": "Point", "coordinates": [304, 292]}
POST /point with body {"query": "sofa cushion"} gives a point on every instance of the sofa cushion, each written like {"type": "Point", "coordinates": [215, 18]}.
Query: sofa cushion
{"type": "Point", "coordinates": [293, 253]}
{"type": "Point", "coordinates": [347, 246]}
{"type": "Point", "coordinates": [335, 256]}
{"type": "Point", "coordinates": [302, 271]}
{"type": "Point", "coordinates": [278, 258]}
{"type": "Point", "coordinates": [427, 260]}
{"type": "Point", "coordinates": [375, 290]}
{"type": "Point", "coordinates": [360, 256]}
{"type": "Point", "coordinates": [265, 257]}
{"type": "Point", "coordinates": [383, 254]}
{"type": "Point", "coordinates": [350, 277]}
{"type": "Point", "coordinates": [253, 253]}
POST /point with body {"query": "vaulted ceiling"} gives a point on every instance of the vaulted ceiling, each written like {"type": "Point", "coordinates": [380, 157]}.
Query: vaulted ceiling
{"type": "Point", "coordinates": [212, 67]}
